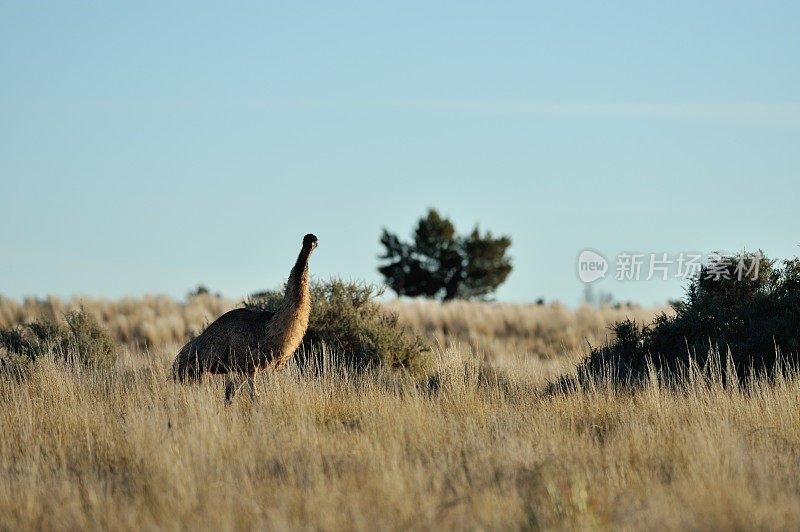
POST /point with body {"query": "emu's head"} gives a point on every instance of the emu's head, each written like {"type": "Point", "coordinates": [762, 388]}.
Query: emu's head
{"type": "Point", "coordinates": [309, 242]}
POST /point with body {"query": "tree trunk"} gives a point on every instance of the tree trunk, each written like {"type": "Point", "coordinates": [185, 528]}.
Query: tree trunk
{"type": "Point", "coordinates": [451, 287]}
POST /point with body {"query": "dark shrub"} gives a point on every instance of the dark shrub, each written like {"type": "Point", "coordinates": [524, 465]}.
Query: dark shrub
{"type": "Point", "coordinates": [755, 319]}
{"type": "Point", "coordinates": [16, 352]}
{"type": "Point", "coordinates": [81, 339]}
{"type": "Point", "coordinates": [346, 317]}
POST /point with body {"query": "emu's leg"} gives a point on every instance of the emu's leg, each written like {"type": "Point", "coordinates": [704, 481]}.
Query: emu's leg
{"type": "Point", "coordinates": [235, 382]}
{"type": "Point", "coordinates": [251, 384]}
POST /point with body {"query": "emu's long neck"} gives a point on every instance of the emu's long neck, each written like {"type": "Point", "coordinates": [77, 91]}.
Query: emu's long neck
{"type": "Point", "coordinates": [298, 279]}
{"type": "Point", "coordinates": [288, 325]}
{"type": "Point", "coordinates": [297, 286]}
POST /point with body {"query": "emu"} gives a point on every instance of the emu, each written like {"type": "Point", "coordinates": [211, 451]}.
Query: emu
{"type": "Point", "coordinates": [245, 342]}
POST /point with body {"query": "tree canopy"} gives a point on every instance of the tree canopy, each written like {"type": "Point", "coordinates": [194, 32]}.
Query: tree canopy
{"type": "Point", "coordinates": [438, 262]}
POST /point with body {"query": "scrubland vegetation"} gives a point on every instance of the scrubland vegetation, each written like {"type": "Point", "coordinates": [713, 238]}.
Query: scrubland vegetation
{"type": "Point", "coordinates": [496, 330]}
{"type": "Point", "coordinates": [480, 441]}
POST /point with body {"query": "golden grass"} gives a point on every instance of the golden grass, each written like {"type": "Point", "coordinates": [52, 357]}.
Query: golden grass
{"type": "Point", "coordinates": [476, 446]}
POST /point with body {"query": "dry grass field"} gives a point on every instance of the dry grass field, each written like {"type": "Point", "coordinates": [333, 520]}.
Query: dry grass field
{"type": "Point", "coordinates": [479, 445]}
{"type": "Point", "coordinates": [493, 330]}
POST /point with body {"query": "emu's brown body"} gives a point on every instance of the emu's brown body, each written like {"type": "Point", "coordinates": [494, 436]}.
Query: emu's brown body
{"type": "Point", "coordinates": [245, 342]}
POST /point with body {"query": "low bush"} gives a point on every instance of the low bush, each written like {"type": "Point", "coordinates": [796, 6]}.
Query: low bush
{"type": "Point", "coordinates": [346, 317]}
{"type": "Point", "coordinates": [79, 339]}
{"type": "Point", "coordinates": [751, 319]}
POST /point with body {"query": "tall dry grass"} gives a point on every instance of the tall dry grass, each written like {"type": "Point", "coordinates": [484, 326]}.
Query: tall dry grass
{"type": "Point", "coordinates": [474, 448]}
{"type": "Point", "coordinates": [477, 444]}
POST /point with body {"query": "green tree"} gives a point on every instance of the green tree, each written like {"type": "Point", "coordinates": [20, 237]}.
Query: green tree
{"type": "Point", "coordinates": [440, 263]}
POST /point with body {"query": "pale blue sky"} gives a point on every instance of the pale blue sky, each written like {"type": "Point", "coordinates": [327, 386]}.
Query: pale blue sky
{"type": "Point", "coordinates": [152, 146]}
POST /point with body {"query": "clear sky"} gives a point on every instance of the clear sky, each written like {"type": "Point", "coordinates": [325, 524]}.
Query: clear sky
{"type": "Point", "coordinates": [146, 147]}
